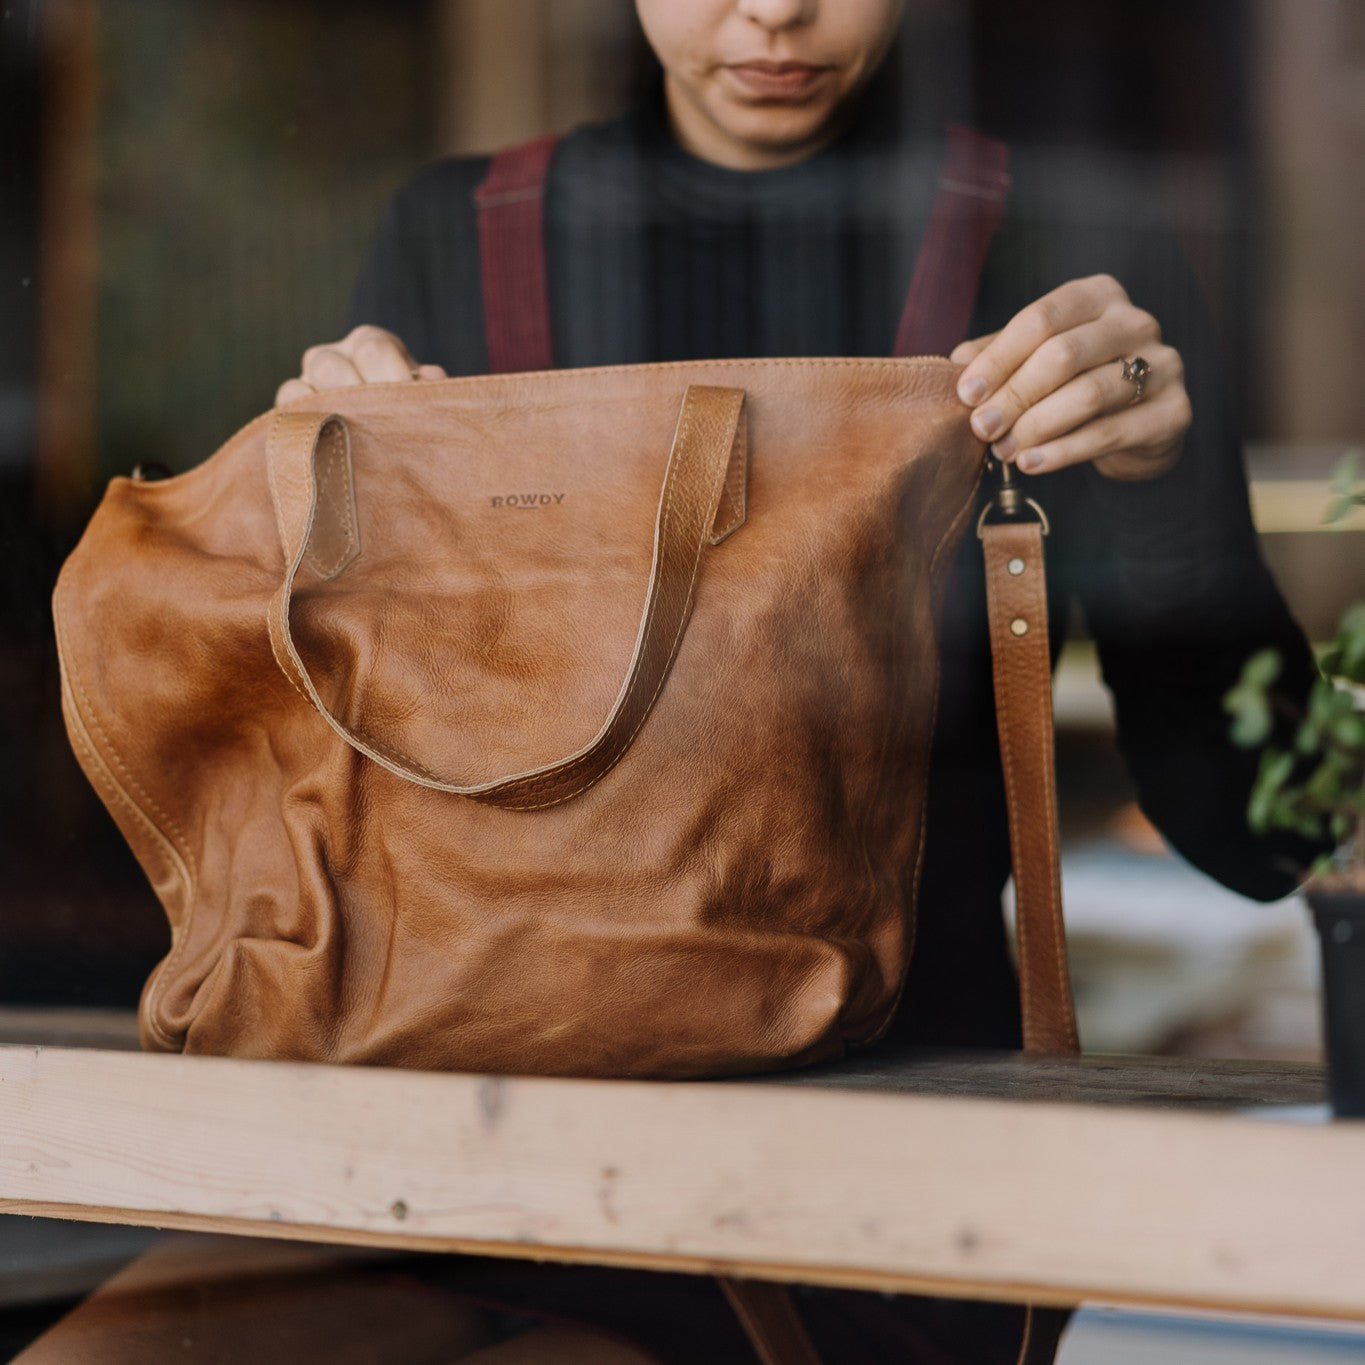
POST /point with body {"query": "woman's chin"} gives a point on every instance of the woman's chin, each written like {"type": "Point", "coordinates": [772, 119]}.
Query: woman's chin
{"type": "Point", "coordinates": [763, 136]}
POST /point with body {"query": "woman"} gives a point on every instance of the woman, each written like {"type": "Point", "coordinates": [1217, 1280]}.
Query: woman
{"type": "Point", "coordinates": [763, 201]}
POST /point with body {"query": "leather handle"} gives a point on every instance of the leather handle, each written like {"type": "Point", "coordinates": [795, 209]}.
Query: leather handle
{"type": "Point", "coordinates": [701, 503]}
{"type": "Point", "coordinates": [771, 1321]}
{"type": "Point", "coordinates": [1016, 599]}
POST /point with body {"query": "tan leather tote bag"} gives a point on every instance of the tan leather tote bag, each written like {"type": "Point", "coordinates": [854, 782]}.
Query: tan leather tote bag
{"type": "Point", "coordinates": [565, 723]}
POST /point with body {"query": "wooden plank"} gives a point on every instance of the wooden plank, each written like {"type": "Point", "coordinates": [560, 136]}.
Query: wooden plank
{"type": "Point", "coordinates": [973, 1197]}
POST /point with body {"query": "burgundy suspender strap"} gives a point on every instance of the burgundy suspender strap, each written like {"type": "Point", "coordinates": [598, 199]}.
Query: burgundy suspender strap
{"type": "Point", "coordinates": [972, 188]}
{"type": "Point", "coordinates": [516, 291]}
{"type": "Point", "coordinates": [516, 297]}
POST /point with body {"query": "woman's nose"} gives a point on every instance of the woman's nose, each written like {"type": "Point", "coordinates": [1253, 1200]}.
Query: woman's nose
{"type": "Point", "coordinates": [778, 14]}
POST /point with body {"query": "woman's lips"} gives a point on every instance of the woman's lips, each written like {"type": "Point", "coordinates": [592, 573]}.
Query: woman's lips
{"type": "Point", "coordinates": [777, 80]}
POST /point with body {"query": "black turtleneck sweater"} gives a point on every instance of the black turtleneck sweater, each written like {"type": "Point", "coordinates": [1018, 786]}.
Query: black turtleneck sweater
{"type": "Point", "coordinates": [654, 255]}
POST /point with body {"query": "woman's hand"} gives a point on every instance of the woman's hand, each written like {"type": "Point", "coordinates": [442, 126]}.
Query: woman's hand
{"type": "Point", "coordinates": [367, 355]}
{"type": "Point", "coordinates": [1049, 390]}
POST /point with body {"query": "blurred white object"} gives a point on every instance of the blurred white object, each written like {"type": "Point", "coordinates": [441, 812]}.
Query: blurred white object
{"type": "Point", "coordinates": [1164, 959]}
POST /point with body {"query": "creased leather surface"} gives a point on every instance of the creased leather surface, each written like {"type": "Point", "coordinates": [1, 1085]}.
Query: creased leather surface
{"type": "Point", "coordinates": [736, 892]}
{"type": "Point", "coordinates": [1016, 597]}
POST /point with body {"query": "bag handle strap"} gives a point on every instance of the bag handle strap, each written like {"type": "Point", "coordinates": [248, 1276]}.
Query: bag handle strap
{"type": "Point", "coordinates": [1021, 662]}
{"type": "Point", "coordinates": [701, 503]}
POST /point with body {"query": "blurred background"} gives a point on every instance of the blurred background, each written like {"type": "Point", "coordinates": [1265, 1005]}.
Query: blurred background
{"type": "Point", "coordinates": [186, 191]}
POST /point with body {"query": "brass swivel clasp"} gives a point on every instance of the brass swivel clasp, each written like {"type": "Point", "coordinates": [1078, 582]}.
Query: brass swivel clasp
{"type": "Point", "coordinates": [1009, 502]}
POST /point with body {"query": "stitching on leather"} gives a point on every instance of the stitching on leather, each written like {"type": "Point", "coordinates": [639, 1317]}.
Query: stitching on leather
{"type": "Point", "coordinates": [285, 665]}
{"type": "Point", "coordinates": [400, 759]}
{"type": "Point", "coordinates": [1007, 768]}
{"type": "Point", "coordinates": [272, 437]}
{"type": "Point", "coordinates": [357, 737]}
{"type": "Point", "coordinates": [736, 477]}
{"type": "Point", "coordinates": [180, 843]}
{"type": "Point", "coordinates": [623, 748]}
{"type": "Point", "coordinates": [662, 366]}
{"type": "Point", "coordinates": [333, 474]}
{"type": "Point", "coordinates": [532, 785]}
{"type": "Point", "coordinates": [559, 773]}
{"type": "Point", "coordinates": [288, 667]}
{"type": "Point", "coordinates": [1055, 926]}
{"type": "Point", "coordinates": [113, 791]}
{"type": "Point", "coordinates": [85, 713]}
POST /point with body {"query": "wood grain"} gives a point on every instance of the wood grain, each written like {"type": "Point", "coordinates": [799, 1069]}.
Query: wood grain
{"type": "Point", "coordinates": [1009, 1199]}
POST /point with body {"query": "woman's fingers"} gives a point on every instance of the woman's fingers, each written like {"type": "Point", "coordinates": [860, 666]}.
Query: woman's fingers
{"type": "Point", "coordinates": [967, 351]}
{"type": "Point", "coordinates": [378, 356]}
{"type": "Point", "coordinates": [1048, 389]}
{"type": "Point", "coordinates": [1095, 393]}
{"type": "Point", "coordinates": [329, 367]}
{"type": "Point", "coordinates": [366, 355]}
{"type": "Point", "coordinates": [292, 389]}
{"type": "Point", "coordinates": [1069, 305]}
{"type": "Point", "coordinates": [1135, 442]}
{"type": "Point", "coordinates": [1062, 335]}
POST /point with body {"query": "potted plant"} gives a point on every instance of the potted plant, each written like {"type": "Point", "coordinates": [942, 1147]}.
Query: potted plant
{"type": "Point", "coordinates": [1316, 787]}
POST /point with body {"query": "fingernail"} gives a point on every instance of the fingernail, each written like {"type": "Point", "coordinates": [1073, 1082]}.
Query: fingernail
{"type": "Point", "coordinates": [987, 422]}
{"type": "Point", "coordinates": [972, 390]}
{"type": "Point", "coordinates": [1006, 445]}
{"type": "Point", "coordinates": [1030, 461]}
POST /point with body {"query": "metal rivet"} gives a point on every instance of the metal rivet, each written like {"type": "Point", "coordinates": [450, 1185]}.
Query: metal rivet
{"type": "Point", "coordinates": [1016, 567]}
{"type": "Point", "coordinates": [399, 1209]}
{"type": "Point", "coordinates": [1342, 931]}
{"type": "Point", "coordinates": [1019, 626]}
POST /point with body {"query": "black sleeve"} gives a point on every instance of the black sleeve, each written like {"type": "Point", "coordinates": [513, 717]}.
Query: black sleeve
{"type": "Point", "coordinates": [1168, 572]}
{"type": "Point", "coordinates": [420, 279]}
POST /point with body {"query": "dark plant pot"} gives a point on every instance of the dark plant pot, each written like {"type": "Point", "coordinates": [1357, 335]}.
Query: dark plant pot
{"type": "Point", "coordinates": [1340, 917]}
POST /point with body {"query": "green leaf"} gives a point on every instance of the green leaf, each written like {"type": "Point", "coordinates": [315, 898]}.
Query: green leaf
{"type": "Point", "coordinates": [1266, 807]}
{"type": "Point", "coordinates": [1261, 670]}
{"type": "Point", "coordinates": [1324, 703]}
{"type": "Point", "coordinates": [1251, 721]}
{"type": "Point", "coordinates": [1351, 643]}
{"type": "Point", "coordinates": [1349, 730]}
{"type": "Point", "coordinates": [1310, 826]}
{"type": "Point", "coordinates": [1341, 826]}
{"type": "Point", "coordinates": [1326, 783]}
{"type": "Point", "coordinates": [1308, 739]}
{"type": "Point", "coordinates": [1338, 510]}
{"type": "Point", "coordinates": [1347, 473]}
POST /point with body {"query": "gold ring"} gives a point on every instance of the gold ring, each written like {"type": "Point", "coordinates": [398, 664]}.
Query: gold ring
{"type": "Point", "coordinates": [1137, 372]}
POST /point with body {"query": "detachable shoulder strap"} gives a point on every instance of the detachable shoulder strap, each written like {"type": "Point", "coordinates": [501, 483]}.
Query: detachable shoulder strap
{"type": "Point", "coordinates": [1021, 660]}
{"type": "Point", "coordinates": [516, 292]}
{"type": "Point", "coordinates": [1012, 531]}
{"type": "Point", "coordinates": [972, 188]}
